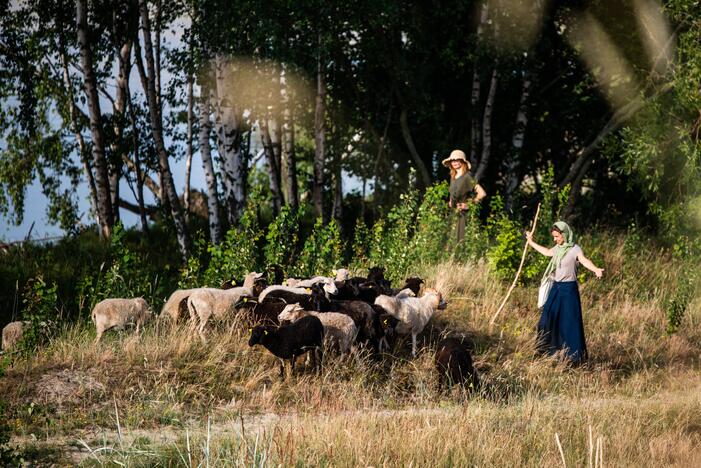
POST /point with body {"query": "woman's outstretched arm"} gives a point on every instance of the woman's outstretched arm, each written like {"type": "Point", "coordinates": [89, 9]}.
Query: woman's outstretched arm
{"type": "Point", "coordinates": [544, 250]}
{"type": "Point", "coordinates": [589, 265]}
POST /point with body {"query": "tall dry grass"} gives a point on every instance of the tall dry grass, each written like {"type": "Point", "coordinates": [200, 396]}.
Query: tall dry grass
{"type": "Point", "coordinates": [639, 392]}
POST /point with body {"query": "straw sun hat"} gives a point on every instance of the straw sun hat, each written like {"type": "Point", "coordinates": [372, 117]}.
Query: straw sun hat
{"type": "Point", "coordinates": [457, 155]}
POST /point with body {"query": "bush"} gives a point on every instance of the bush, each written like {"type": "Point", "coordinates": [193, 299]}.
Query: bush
{"type": "Point", "coordinates": [40, 308]}
{"type": "Point", "coordinates": [505, 255]}
{"type": "Point", "coordinates": [679, 303]}
{"type": "Point", "coordinates": [322, 251]}
{"type": "Point", "coordinates": [432, 226]}
{"type": "Point", "coordinates": [282, 239]}
{"type": "Point", "coordinates": [236, 255]}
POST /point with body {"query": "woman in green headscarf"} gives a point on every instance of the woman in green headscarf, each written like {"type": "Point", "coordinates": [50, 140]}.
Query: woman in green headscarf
{"type": "Point", "coordinates": [560, 325]}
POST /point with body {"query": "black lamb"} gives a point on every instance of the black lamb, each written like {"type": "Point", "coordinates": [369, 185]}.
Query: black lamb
{"type": "Point", "coordinates": [454, 364]}
{"type": "Point", "coordinates": [292, 340]}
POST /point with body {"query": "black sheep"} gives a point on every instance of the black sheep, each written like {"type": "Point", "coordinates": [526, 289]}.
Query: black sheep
{"type": "Point", "coordinates": [414, 284]}
{"type": "Point", "coordinates": [292, 340]}
{"type": "Point", "coordinates": [454, 364]}
{"type": "Point", "coordinates": [263, 312]}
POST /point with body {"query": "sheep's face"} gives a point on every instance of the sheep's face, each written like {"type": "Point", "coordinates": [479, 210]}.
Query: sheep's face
{"type": "Point", "coordinates": [258, 286]}
{"type": "Point", "coordinates": [257, 334]}
{"type": "Point", "coordinates": [342, 274]}
{"type": "Point", "coordinates": [330, 288]}
{"type": "Point", "coordinates": [291, 312]}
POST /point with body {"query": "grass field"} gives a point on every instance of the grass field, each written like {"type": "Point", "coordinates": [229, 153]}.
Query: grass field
{"type": "Point", "coordinates": [166, 399]}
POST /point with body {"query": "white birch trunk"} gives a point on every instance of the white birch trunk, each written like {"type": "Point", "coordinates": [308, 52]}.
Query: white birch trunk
{"type": "Point", "coordinates": [102, 184]}
{"type": "Point", "coordinates": [228, 121]}
{"type": "Point", "coordinates": [487, 127]}
{"type": "Point", "coordinates": [476, 87]}
{"type": "Point", "coordinates": [288, 141]}
{"type": "Point", "coordinates": [215, 230]}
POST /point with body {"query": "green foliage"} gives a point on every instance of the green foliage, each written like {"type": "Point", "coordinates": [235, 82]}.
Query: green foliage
{"type": "Point", "coordinates": [322, 251]}
{"type": "Point", "coordinates": [476, 240]}
{"type": "Point", "coordinates": [432, 225]}
{"type": "Point", "coordinates": [361, 244]}
{"type": "Point", "coordinates": [40, 309]}
{"type": "Point", "coordinates": [505, 255]}
{"type": "Point", "coordinates": [190, 273]}
{"type": "Point", "coordinates": [678, 305]}
{"type": "Point", "coordinates": [125, 275]}
{"type": "Point", "coordinates": [392, 239]}
{"type": "Point", "coordinates": [236, 255]}
{"type": "Point", "coordinates": [282, 239]}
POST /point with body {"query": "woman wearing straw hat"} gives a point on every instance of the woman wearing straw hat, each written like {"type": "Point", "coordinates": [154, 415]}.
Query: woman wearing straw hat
{"type": "Point", "coordinates": [560, 325]}
{"type": "Point", "coordinates": [463, 188]}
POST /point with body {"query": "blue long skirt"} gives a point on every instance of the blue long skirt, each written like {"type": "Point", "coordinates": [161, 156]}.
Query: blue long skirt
{"type": "Point", "coordinates": [560, 325]}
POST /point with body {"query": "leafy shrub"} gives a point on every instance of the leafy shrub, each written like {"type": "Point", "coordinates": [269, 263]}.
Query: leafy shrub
{"type": "Point", "coordinates": [505, 255]}
{"type": "Point", "coordinates": [40, 308]}
{"type": "Point", "coordinates": [124, 275]}
{"type": "Point", "coordinates": [322, 251]}
{"type": "Point", "coordinates": [476, 241]}
{"type": "Point", "coordinates": [282, 239]}
{"type": "Point", "coordinates": [361, 244]}
{"type": "Point", "coordinates": [432, 225]}
{"type": "Point", "coordinates": [236, 255]}
{"type": "Point", "coordinates": [679, 303]}
{"type": "Point", "coordinates": [392, 241]}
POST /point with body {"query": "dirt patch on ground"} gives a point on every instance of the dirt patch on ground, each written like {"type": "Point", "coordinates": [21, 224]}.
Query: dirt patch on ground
{"type": "Point", "coordinates": [67, 386]}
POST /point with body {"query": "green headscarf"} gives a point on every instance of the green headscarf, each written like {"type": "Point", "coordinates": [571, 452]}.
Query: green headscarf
{"type": "Point", "coordinates": [560, 250]}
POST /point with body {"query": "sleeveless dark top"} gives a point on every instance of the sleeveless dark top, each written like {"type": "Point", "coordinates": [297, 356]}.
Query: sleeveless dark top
{"type": "Point", "coordinates": [461, 188]}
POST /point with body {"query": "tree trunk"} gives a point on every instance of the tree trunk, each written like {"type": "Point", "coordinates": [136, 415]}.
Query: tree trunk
{"type": "Point", "coordinates": [337, 210]}
{"type": "Point", "coordinates": [167, 183]}
{"type": "Point", "coordinates": [137, 164]}
{"type": "Point", "coordinates": [319, 137]}
{"type": "Point", "coordinates": [104, 201]}
{"type": "Point", "coordinates": [228, 121]}
{"type": "Point", "coordinates": [288, 141]}
{"type": "Point", "coordinates": [215, 230]}
{"type": "Point", "coordinates": [476, 86]}
{"type": "Point", "coordinates": [273, 165]}
{"type": "Point", "coordinates": [82, 148]}
{"type": "Point", "coordinates": [118, 112]}
{"type": "Point", "coordinates": [188, 160]}
{"type": "Point", "coordinates": [487, 127]}
{"type": "Point", "coordinates": [513, 179]}
{"type": "Point", "coordinates": [406, 133]}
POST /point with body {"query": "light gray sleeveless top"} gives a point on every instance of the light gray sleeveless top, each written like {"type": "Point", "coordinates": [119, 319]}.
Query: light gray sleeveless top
{"type": "Point", "coordinates": [567, 271]}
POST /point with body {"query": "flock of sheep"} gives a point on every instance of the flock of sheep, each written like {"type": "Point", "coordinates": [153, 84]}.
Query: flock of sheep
{"type": "Point", "coordinates": [296, 317]}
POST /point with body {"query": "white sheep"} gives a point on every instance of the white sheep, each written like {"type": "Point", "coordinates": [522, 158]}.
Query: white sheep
{"type": "Point", "coordinates": [413, 313]}
{"type": "Point", "coordinates": [12, 334]}
{"type": "Point", "coordinates": [329, 288]}
{"type": "Point", "coordinates": [342, 274]}
{"type": "Point", "coordinates": [172, 308]}
{"type": "Point", "coordinates": [176, 305]}
{"type": "Point", "coordinates": [339, 329]}
{"type": "Point", "coordinates": [117, 313]}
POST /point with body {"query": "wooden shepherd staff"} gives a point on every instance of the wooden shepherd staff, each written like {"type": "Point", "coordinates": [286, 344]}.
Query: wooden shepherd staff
{"type": "Point", "coordinates": [520, 267]}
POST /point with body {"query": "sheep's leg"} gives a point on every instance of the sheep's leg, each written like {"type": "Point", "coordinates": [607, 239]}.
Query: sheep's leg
{"type": "Point", "coordinates": [413, 345]}
{"type": "Point", "coordinates": [99, 335]}
{"type": "Point", "coordinates": [282, 369]}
